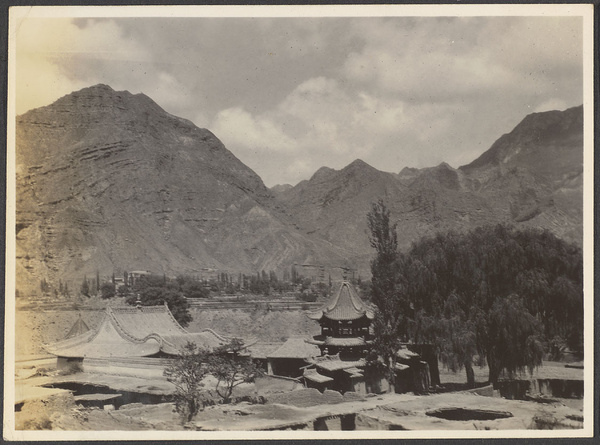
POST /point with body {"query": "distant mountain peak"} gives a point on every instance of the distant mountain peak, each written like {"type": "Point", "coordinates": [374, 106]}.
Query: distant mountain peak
{"type": "Point", "coordinates": [358, 163]}
{"type": "Point", "coordinates": [280, 188]}
{"type": "Point", "coordinates": [322, 173]}
{"type": "Point", "coordinates": [98, 87]}
{"type": "Point", "coordinates": [535, 130]}
{"type": "Point", "coordinates": [444, 166]}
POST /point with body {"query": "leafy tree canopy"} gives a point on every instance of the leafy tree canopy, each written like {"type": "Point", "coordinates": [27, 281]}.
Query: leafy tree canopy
{"type": "Point", "coordinates": [154, 290]}
{"type": "Point", "coordinates": [494, 293]}
{"type": "Point", "coordinates": [231, 369]}
{"type": "Point", "coordinates": [461, 287]}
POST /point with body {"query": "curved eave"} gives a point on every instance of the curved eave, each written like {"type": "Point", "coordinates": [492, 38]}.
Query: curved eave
{"type": "Point", "coordinates": [368, 314]}
{"type": "Point", "coordinates": [315, 315]}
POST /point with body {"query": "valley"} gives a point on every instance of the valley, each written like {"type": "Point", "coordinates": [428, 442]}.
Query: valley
{"type": "Point", "coordinates": [107, 181]}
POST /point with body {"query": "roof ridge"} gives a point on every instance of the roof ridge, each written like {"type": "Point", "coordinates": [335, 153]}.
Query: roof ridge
{"type": "Point", "coordinates": [354, 298]}
{"type": "Point", "coordinates": [107, 314]}
{"type": "Point", "coordinates": [338, 308]}
{"type": "Point", "coordinates": [133, 309]}
{"type": "Point", "coordinates": [126, 335]}
{"type": "Point", "coordinates": [168, 311]}
{"type": "Point", "coordinates": [219, 336]}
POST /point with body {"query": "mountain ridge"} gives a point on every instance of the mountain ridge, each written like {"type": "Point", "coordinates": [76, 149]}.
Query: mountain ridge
{"type": "Point", "coordinates": [108, 180]}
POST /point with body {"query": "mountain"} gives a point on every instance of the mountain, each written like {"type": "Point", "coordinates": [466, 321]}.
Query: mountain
{"type": "Point", "coordinates": [531, 176]}
{"type": "Point", "coordinates": [108, 181]}
{"type": "Point", "coordinates": [280, 188]}
{"type": "Point", "coordinates": [334, 204]}
{"type": "Point", "coordinates": [537, 170]}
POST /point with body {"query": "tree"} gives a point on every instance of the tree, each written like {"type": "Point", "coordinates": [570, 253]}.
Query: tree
{"type": "Point", "coordinates": [231, 369]}
{"type": "Point", "coordinates": [85, 287]}
{"type": "Point", "coordinates": [513, 338]}
{"type": "Point", "coordinates": [462, 287]}
{"type": "Point", "coordinates": [153, 290]}
{"type": "Point", "coordinates": [387, 326]}
{"type": "Point", "coordinates": [107, 290]}
{"type": "Point", "coordinates": [191, 287]}
{"type": "Point", "coordinates": [186, 372]}
{"type": "Point", "coordinates": [44, 286]}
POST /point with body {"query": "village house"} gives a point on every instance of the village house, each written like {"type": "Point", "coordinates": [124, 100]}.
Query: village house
{"type": "Point", "coordinates": [135, 275]}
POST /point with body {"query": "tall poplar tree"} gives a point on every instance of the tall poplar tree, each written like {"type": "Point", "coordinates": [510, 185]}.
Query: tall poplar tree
{"type": "Point", "coordinates": [387, 326]}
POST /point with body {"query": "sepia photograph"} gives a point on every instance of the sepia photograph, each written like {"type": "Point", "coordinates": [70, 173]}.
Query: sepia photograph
{"type": "Point", "coordinates": [299, 222]}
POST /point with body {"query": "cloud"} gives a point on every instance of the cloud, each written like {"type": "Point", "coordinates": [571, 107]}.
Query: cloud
{"type": "Point", "coordinates": [433, 59]}
{"type": "Point", "coordinates": [254, 133]}
{"type": "Point", "coordinates": [52, 55]}
{"type": "Point", "coordinates": [289, 95]}
{"type": "Point", "coordinates": [323, 123]}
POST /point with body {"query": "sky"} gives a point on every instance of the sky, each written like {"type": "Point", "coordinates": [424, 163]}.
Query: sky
{"type": "Point", "coordinates": [290, 95]}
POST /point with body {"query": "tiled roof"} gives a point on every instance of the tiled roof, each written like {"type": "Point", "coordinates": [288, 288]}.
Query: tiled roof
{"type": "Point", "coordinates": [312, 374]}
{"type": "Point", "coordinates": [207, 339]}
{"type": "Point", "coordinates": [261, 350]}
{"type": "Point", "coordinates": [345, 304]}
{"type": "Point", "coordinates": [295, 348]}
{"type": "Point", "coordinates": [134, 332]}
{"type": "Point", "coordinates": [401, 367]}
{"type": "Point", "coordinates": [354, 372]}
{"type": "Point", "coordinates": [334, 363]}
{"type": "Point", "coordinates": [345, 341]}
{"type": "Point", "coordinates": [406, 354]}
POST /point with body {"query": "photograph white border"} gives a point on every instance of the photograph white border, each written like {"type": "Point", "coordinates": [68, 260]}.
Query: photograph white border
{"type": "Point", "coordinates": [17, 13]}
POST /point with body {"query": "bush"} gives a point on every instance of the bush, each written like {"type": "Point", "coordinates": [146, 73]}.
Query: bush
{"type": "Point", "coordinates": [309, 297]}
{"type": "Point", "coordinates": [107, 290]}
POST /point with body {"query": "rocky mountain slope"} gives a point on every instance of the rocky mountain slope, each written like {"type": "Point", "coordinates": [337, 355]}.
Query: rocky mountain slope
{"type": "Point", "coordinates": [107, 181]}
{"type": "Point", "coordinates": [531, 176]}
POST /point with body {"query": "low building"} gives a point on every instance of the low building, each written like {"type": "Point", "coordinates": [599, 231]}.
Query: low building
{"type": "Point", "coordinates": [135, 275]}
{"type": "Point", "coordinates": [130, 341]}
{"type": "Point", "coordinates": [290, 358]}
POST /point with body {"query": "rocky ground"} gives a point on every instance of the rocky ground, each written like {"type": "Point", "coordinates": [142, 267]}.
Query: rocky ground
{"type": "Point", "coordinates": [383, 412]}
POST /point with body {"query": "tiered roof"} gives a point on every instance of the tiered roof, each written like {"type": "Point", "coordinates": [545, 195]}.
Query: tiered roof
{"type": "Point", "coordinates": [345, 304]}
{"type": "Point", "coordinates": [295, 347]}
{"type": "Point", "coordinates": [135, 332]}
{"type": "Point", "coordinates": [313, 375]}
{"type": "Point", "coordinates": [334, 363]}
{"type": "Point", "coordinates": [340, 341]}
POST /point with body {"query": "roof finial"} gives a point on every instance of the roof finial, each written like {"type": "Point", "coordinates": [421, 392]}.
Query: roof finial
{"type": "Point", "coordinates": [138, 302]}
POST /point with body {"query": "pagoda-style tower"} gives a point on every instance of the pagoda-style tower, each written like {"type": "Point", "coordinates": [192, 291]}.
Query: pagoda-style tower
{"type": "Point", "coordinates": [345, 321]}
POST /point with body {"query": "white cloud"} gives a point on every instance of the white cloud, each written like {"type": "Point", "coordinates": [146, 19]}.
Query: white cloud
{"type": "Point", "coordinates": [47, 47]}
{"type": "Point", "coordinates": [288, 96]}
{"type": "Point", "coordinates": [253, 133]}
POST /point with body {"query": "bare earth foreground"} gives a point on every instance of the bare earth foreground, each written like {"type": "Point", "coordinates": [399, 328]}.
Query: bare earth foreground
{"type": "Point", "coordinates": [41, 406]}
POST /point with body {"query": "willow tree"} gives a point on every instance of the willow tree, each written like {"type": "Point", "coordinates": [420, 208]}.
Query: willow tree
{"type": "Point", "coordinates": [495, 294]}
